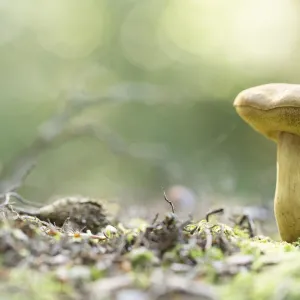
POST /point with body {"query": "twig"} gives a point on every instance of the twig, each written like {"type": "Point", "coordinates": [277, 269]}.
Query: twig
{"type": "Point", "coordinates": [209, 239]}
{"type": "Point", "coordinates": [250, 224]}
{"type": "Point", "coordinates": [55, 131]}
{"type": "Point", "coordinates": [170, 202]}
{"type": "Point", "coordinates": [18, 177]}
{"type": "Point", "coordinates": [225, 244]}
{"type": "Point", "coordinates": [155, 219]}
{"type": "Point", "coordinates": [7, 197]}
{"type": "Point", "coordinates": [6, 200]}
{"type": "Point", "coordinates": [16, 171]}
{"type": "Point", "coordinates": [214, 212]}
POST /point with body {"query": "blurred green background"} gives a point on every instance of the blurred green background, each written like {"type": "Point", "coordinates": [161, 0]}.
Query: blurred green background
{"type": "Point", "coordinates": [169, 71]}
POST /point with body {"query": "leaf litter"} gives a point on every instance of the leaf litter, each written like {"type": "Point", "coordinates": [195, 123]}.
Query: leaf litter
{"type": "Point", "coordinates": [73, 249]}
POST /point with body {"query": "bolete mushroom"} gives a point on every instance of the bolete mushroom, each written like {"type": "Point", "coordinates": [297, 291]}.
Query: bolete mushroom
{"type": "Point", "coordinates": [274, 111]}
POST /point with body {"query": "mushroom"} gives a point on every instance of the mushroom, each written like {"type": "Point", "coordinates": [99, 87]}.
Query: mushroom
{"type": "Point", "coordinates": [274, 111]}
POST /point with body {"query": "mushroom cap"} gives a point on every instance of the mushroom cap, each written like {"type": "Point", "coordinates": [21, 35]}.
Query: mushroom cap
{"type": "Point", "coordinates": [271, 108]}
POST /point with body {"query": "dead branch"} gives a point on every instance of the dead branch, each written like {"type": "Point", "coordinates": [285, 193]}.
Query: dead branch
{"type": "Point", "coordinates": [56, 131]}
{"type": "Point", "coordinates": [170, 202]}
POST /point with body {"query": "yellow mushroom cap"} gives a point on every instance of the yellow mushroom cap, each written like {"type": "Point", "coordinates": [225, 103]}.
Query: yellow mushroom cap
{"type": "Point", "coordinates": [271, 108]}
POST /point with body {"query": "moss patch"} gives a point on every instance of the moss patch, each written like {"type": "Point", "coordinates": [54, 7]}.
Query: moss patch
{"type": "Point", "coordinates": [159, 258]}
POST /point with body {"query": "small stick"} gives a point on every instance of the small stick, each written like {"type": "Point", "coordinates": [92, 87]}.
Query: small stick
{"type": "Point", "coordinates": [170, 202]}
{"type": "Point", "coordinates": [250, 223]}
{"type": "Point", "coordinates": [6, 200]}
{"type": "Point", "coordinates": [8, 195]}
{"type": "Point", "coordinates": [155, 219]}
{"type": "Point", "coordinates": [209, 239]}
{"type": "Point", "coordinates": [214, 212]}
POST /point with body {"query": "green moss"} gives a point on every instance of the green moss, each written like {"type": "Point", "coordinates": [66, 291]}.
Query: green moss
{"type": "Point", "coordinates": [32, 285]}
{"type": "Point", "coordinates": [97, 273]}
{"type": "Point", "coordinates": [276, 282]}
{"type": "Point", "coordinates": [141, 258]}
{"type": "Point", "coordinates": [195, 253]}
{"type": "Point", "coordinates": [214, 253]}
{"type": "Point", "coordinates": [237, 266]}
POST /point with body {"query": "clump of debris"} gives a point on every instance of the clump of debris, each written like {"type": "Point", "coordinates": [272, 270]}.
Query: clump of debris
{"type": "Point", "coordinates": [93, 256]}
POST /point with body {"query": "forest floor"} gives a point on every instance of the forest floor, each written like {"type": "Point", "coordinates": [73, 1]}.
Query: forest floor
{"type": "Point", "coordinates": [164, 258]}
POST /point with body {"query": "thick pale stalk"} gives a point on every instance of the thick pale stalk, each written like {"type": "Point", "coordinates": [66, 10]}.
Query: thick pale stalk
{"type": "Point", "coordinates": [287, 195]}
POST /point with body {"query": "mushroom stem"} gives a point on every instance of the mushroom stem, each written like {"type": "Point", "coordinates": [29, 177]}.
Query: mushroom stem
{"type": "Point", "coordinates": [287, 195]}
